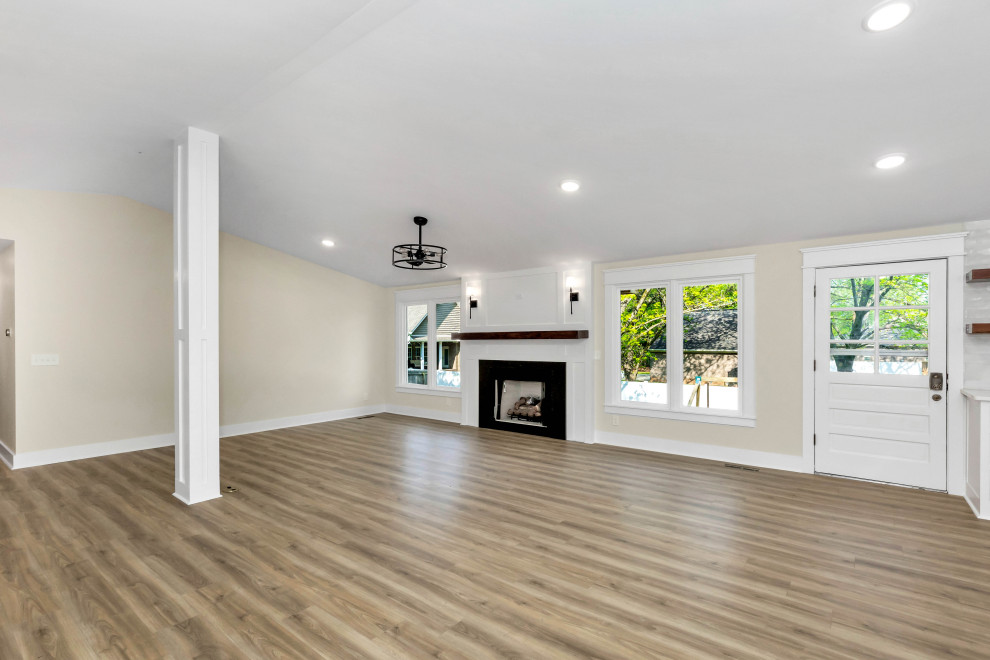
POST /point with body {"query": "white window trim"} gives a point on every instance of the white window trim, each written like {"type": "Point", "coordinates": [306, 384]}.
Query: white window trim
{"type": "Point", "coordinates": [674, 277]}
{"type": "Point", "coordinates": [428, 296]}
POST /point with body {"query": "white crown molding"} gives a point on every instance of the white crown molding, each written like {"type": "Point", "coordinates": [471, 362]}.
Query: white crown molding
{"type": "Point", "coordinates": [762, 459]}
{"type": "Point", "coordinates": [896, 249]}
{"type": "Point", "coordinates": [429, 294]}
{"type": "Point", "coordinates": [699, 268]}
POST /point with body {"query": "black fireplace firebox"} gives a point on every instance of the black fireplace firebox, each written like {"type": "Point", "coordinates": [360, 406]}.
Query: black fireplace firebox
{"type": "Point", "coordinates": [523, 397]}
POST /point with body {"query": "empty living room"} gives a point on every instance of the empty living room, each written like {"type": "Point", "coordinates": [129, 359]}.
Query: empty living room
{"type": "Point", "coordinates": [467, 330]}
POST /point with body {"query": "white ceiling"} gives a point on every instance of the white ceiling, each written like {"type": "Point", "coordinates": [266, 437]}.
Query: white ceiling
{"type": "Point", "coordinates": [691, 125]}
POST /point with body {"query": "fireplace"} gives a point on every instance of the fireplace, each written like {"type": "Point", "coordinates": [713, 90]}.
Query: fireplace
{"type": "Point", "coordinates": [524, 397]}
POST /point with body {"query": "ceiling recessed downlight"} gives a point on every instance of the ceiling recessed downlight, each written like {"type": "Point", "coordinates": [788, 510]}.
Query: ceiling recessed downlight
{"type": "Point", "coordinates": [890, 161]}
{"type": "Point", "coordinates": [570, 185]}
{"type": "Point", "coordinates": [888, 15]}
{"type": "Point", "coordinates": [327, 242]}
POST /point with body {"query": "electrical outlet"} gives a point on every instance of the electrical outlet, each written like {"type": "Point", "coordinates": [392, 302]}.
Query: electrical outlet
{"type": "Point", "coordinates": [44, 360]}
{"type": "Point", "coordinates": [615, 420]}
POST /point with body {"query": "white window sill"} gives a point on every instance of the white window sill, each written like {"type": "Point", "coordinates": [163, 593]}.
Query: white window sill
{"type": "Point", "coordinates": [728, 419]}
{"type": "Point", "coordinates": [449, 392]}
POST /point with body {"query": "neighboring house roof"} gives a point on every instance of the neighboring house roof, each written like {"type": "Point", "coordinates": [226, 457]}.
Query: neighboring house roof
{"type": "Point", "coordinates": [706, 330]}
{"type": "Point", "coordinates": [448, 321]}
{"type": "Point", "coordinates": [414, 320]}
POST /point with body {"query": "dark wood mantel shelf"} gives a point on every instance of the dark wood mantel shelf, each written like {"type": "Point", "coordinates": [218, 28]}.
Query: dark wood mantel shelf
{"type": "Point", "coordinates": [534, 334]}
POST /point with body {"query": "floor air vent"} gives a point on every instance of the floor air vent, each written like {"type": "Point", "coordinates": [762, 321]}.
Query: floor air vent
{"type": "Point", "coordinates": [742, 467]}
{"type": "Point", "coordinates": [366, 417]}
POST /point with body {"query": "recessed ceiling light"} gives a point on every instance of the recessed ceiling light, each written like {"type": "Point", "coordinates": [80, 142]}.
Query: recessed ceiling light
{"type": "Point", "coordinates": [327, 242]}
{"type": "Point", "coordinates": [890, 161]}
{"type": "Point", "coordinates": [570, 186]}
{"type": "Point", "coordinates": [887, 15]}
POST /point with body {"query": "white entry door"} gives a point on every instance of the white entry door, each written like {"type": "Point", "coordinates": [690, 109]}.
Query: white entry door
{"type": "Point", "coordinates": [879, 355]}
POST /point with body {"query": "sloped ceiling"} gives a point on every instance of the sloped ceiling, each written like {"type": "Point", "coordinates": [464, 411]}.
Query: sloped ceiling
{"type": "Point", "coordinates": [691, 125]}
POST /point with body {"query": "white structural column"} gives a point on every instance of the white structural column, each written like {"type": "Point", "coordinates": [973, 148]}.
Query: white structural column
{"type": "Point", "coordinates": [197, 358]}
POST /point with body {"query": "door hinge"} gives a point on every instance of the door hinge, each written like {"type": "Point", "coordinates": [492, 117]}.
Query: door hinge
{"type": "Point", "coordinates": [814, 438]}
{"type": "Point", "coordinates": [814, 365]}
{"type": "Point", "coordinates": [814, 291]}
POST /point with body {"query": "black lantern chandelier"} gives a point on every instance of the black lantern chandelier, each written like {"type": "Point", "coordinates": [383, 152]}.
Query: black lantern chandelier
{"type": "Point", "coordinates": [419, 256]}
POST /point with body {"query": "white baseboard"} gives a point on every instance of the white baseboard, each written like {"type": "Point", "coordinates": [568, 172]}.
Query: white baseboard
{"type": "Point", "coordinates": [969, 501]}
{"type": "Point", "coordinates": [972, 496]}
{"type": "Point", "coordinates": [6, 455]}
{"type": "Point", "coordinates": [20, 460]}
{"type": "Point", "coordinates": [438, 415]}
{"type": "Point", "coordinates": [202, 499]}
{"type": "Point", "coordinates": [48, 456]}
{"type": "Point", "coordinates": [299, 420]}
{"type": "Point", "coordinates": [751, 457]}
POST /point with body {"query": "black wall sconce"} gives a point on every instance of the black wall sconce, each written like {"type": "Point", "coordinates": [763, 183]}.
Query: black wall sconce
{"type": "Point", "coordinates": [472, 301]}
{"type": "Point", "coordinates": [574, 296]}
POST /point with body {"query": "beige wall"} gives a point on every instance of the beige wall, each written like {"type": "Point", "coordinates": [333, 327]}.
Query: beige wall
{"type": "Point", "coordinates": [7, 394]}
{"type": "Point", "coordinates": [778, 351]}
{"type": "Point", "coordinates": [94, 285]}
{"type": "Point", "coordinates": [297, 338]}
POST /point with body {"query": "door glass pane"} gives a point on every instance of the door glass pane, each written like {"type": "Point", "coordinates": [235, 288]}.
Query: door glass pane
{"type": "Point", "coordinates": [902, 290]}
{"type": "Point", "coordinates": [711, 346]}
{"type": "Point", "coordinates": [417, 330]}
{"type": "Point", "coordinates": [851, 357]}
{"type": "Point", "coordinates": [852, 292]}
{"type": "Point", "coordinates": [643, 345]}
{"type": "Point", "coordinates": [899, 324]}
{"type": "Point", "coordinates": [448, 349]}
{"type": "Point", "coordinates": [852, 325]}
{"type": "Point", "coordinates": [904, 359]}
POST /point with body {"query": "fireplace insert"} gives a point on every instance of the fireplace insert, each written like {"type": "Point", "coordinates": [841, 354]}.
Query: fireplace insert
{"type": "Point", "coordinates": [524, 397]}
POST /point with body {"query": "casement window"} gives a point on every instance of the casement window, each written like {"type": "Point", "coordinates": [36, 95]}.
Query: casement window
{"type": "Point", "coordinates": [680, 341]}
{"type": "Point", "coordinates": [427, 356]}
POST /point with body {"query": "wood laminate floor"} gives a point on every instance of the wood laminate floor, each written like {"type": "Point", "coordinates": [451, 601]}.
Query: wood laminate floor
{"type": "Point", "coordinates": [391, 537]}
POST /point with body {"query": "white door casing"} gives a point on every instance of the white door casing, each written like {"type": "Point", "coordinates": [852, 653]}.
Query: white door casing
{"type": "Point", "coordinates": [880, 420]}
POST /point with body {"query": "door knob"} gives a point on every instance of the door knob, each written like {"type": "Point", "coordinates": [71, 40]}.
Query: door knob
{"type": "Point", "coordinates": [936, 397]}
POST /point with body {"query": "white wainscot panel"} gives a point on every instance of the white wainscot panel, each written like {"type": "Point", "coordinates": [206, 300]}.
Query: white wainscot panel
{"type": "Point", "coordinates": [523, 300]}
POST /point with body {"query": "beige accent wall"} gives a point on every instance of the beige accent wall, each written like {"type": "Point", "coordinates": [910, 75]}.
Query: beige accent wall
{"type": "Point", "coordinates": [778, 350]}
{"type": "Point", "coordinates": [445, 404]}
{"type": "Point", "coordinates": [297, 338]}
{"type": "Point", "coordinates": [8, 398]}
{"type": "Point", "coordinates": [94, 285]}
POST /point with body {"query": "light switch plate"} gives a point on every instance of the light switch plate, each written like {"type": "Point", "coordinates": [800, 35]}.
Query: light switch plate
{"type": "Point", "coordinates": [44, 360]}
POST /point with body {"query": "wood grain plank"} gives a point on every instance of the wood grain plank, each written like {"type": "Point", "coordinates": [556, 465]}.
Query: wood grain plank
{"type": "Point", "coordinates": [392, 537]}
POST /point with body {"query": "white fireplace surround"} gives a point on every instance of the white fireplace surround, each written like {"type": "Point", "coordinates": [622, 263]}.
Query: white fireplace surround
{"type": "Point", "coordinates": [537, 299]}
